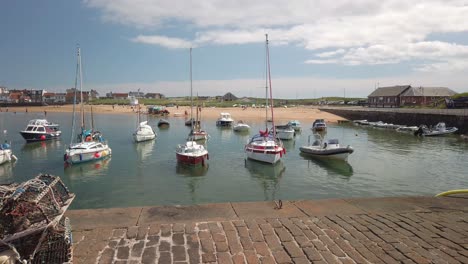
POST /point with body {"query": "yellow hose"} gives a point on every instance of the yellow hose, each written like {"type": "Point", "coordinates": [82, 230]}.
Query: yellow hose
{"type": "Point", "coordinates": [452, 192]}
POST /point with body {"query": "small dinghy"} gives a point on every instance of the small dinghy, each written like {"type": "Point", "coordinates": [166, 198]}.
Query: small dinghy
{"type": "Point", "coordinates": [326, 149]}
{"type": "Point", "coordinates": [241, 127]}
{"type": "Point", "coordinates": [163, 123]}
{"type": "Point", "coordinates": [439, 130]}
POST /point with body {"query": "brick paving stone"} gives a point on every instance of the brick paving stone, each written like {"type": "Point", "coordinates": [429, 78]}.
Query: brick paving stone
{"type": "Point", "coordinates": [227, 226]}
{"type": "Point", "coordinates": [303, 241]}
{"type": "Point", "coordinates": [132, 232]}
{"type": "Point", "coordinates": [319, 245]}
{"type": "Point", "coordinates": [329, 257]}
{"type": "Point", "coordinates": [154, 229]}
{"type": "Point", "coordinates": [208, 257]}
{"type": "Point", "coordinates": [281, 257]}
{"type": "Point", "coordinates": [267, 229]}
{"type": "Point", "coordinates": [178, 238]}
{"type": "Point", "coordinates": [112, 243]}
{"type": "Point", "coordinates": [312, 254]}
{"type": "Point", "coordinates": [246, 243]}
{"type": "Point", "coordinates": [149, 255]}
{"type": "Point", "coordinates": [152, 241]}
{"type": "Point", "coordinates": [223, 258]}
{"type": "Point", "coordinates": [293, 250]}
{"type": "Point", "coordinates": [219, 237]}
{"type": "Point", "coordinates": [120, 262]}
{"type": "Point", "coordinates": [214, 227]}
{"type": "Point", "coordinates": [260, 221]}
{"type": "Point", "coordinates": [202, 226]}
{"type": "Point", "coordinates": [267, 260]}
{"type": "Point", "coordinates": [314, 228]}
{"type": "Point", "coordinates": [137, 249]}
{"type": "Point", "coordinates": [273, 242]}
{"type": "Point", "coordinates": [207, 245]}
{"type": "Point", "coordinates": [166, 230]}
{"type": "Point", "coordinates": [204, 234]}
{"type": "Point", "coordinates": [275, 223]}
{"type": "Point", "coordinates": [107, 256]}
{"type": "Point", "coordinates": [142, 232]}
{"type": "Point", "coordinates": [234, 245]}
{"type": "Point", "coordinates": [238, 259]}
{"type": "Point", "coordinates": [251, 257]}
{"type": "Point", "coordinates": [261, 248]}
{"type": "Point", "coordinates": [256, 235]}
{"type": "Point", "coordinates": [251, 223]}
{"type": "Point", "coordinates": [193, 241]}
{"type": "Point", "coordinates": [178, 228]}
{"type": "Point", "coordinates": [301, 260]}
{"type": "Point", "coordinates": [221, 246]}
{"type": "Point", "coordinates": [194, 255]}
{"type": "Point", "coordinates": [238, 223]}
{"type": "Point", "coordinates": [417, 258]}
{"type": "Point", "coordinates": [190, 228]}
{"type": "Point", "coordinates": [123, 252]}
{"type": "Point", "coordinates": [164, 246]}
{"type": "Point", "coordinates": [283, 234]}
{"type": "Point", "coordinates": [164, 257]}
{"type": "Point", "coordinates": [243, 231]}
{"type": "Point", "coordinates": [178, 253]}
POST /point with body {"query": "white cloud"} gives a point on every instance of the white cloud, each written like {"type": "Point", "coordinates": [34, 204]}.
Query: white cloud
{"type": "Point", "coordinates": [359, 31]}
{"type": "Point", "coordinates": [171, 43]}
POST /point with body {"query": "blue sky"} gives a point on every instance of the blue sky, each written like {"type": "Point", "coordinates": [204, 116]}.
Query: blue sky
{"type": "Point", "coordinates": [317, 48]}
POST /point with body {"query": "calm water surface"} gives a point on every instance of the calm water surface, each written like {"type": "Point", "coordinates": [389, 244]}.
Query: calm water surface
{"type": "Point", "coordinates": [385, 163]}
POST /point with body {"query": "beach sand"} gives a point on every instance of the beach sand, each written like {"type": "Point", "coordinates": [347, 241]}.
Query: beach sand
{"type": "Point", "coordinates": [281, 115]}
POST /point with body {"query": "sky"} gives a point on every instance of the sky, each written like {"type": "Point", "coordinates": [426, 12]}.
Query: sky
{"type": "Point", "coordinates": [317, 47]}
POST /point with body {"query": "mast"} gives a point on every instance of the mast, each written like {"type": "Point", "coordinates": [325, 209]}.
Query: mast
{"type": "Point", "coordinates": [74, 96]}
{"type": "Point", "coordinates": [191, 97]}
{"type": "Point", "coordinates": [266, 84]}
{"type": "Point", "coordinates": [92, 119]}
{"type": "Point", "coordinates": [81, 95]}
{"type": "Point", "coordinates": [271, 91]}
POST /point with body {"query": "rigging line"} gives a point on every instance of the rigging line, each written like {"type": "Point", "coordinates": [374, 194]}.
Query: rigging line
{"type": "Point", "coordinates": [74, 99]}
{"type": "Point", "coordinates": [271, 91]}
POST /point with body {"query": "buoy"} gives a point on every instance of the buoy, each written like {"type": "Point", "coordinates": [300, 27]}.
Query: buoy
{"type": "Point", "coordinates": [43, 137]}
{"type": "Point", "coordinates": [97, 155]}
{"type": "Point", "coordinates": [14, 157]}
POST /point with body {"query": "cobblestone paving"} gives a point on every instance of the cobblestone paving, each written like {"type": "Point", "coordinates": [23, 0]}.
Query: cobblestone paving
{"type": "Point", "coordinates": [429, 237]}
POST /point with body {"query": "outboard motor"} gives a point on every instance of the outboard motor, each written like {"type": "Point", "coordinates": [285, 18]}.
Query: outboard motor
{"type": "Point", "coordinates": [419, 132]}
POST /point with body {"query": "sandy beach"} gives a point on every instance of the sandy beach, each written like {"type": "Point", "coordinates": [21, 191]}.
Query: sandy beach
{"type": "Point", "coordinates": [282, 115]}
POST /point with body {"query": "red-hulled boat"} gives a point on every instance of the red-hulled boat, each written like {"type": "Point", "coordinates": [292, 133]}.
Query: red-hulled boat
{"type": "Point", "coordinates": [40, 130]}
{"type": "Point", "coordinates": [192, 153]}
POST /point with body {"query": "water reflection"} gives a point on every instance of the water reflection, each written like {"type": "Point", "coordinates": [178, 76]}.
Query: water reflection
{"type": "Point", "coordinates": [336, 166]}
{"type": "Point", "coordinates": [87, 170]}
{"type": "Point", "coordinates": [267, 175]}
{"type": "Point", "coordinates": [187, 170]}
{"type": "Point", "coordinates": [289, 144]}
{"type": "Point", "coordinates": [6, 172]}
{"type": "Point", "coordinates": [40, 149]}
{"type": "Point", "coordinates": [144, 149]}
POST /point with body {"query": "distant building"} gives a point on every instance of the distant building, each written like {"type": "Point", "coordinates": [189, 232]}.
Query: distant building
{"type": "Point", "coordinates": [154, 96]}
{"type": "Point", "coordinates": [229, 97]}
{"type": "Point", "coordinates": [405, 95]}
{"type": "Point", "coordinates": [49, 98]}
{"type": "Point", "coordinates": [60, 98]}
{"type": "Point", "coordinates": [387, 96]}
{"type": "Point", "coordinates": [137, 94]}
{"type": "Point", "coordinates": [120, 96]}
{"type": "Point", "coordinates": [416, 96]}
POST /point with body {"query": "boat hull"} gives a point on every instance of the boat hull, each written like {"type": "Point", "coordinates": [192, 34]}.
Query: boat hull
{"type": "Point", "coordinates": [238, 128]}
{"type": "Point", "coordinates": [142, 138]}
{"type": "Point", "coordinates": [34, 137]}
{"type": "Point", "coordinates": [338, 153]}
{"type": "Point", "coordinates": [223, 123]}
{"type": "Point", "coordinates": [285, 135]}
{"type": "Point", "coordinates": [192, 160]}
{"type": "Point", "coordinates": [268, 156]}
{"type": "Point", "coordinates": [5, 156]}
{"type": "Point", "coordinates": [87, 156]}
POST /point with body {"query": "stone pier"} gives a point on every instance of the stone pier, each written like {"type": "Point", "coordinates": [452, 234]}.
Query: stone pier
{"type": "Point", "coordinates": [371, 230]}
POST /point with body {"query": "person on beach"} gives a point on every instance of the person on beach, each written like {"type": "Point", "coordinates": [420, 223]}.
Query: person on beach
{"type": "Point", "coordinates": [45, 113]}
{"type": "Point", "coordinates": [26, 110]}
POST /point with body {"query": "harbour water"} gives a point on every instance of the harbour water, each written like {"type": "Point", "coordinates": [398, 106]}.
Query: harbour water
{"type": "Point", "coordinates": [385, 163]}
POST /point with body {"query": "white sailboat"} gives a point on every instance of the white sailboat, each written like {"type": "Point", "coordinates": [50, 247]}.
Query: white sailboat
{"type": "Point", "coordinates": [191, 153]}
{"type": "Point", "coordinates": [143, 132]}
{"type": "Point", "coordinates": [264, 146]}
{"type": "Point", "coordinates": [90, 145]}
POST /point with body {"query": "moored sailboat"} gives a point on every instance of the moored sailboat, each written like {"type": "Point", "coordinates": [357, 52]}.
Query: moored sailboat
{"type": "Point", "coordinates": [191, 153]}
{"type": "Point", "coordinates": [264, 146]}
{"type": "Point", "coordinates": [143, 132]}
{"type": "Point", "coordinates": [89, 145]}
